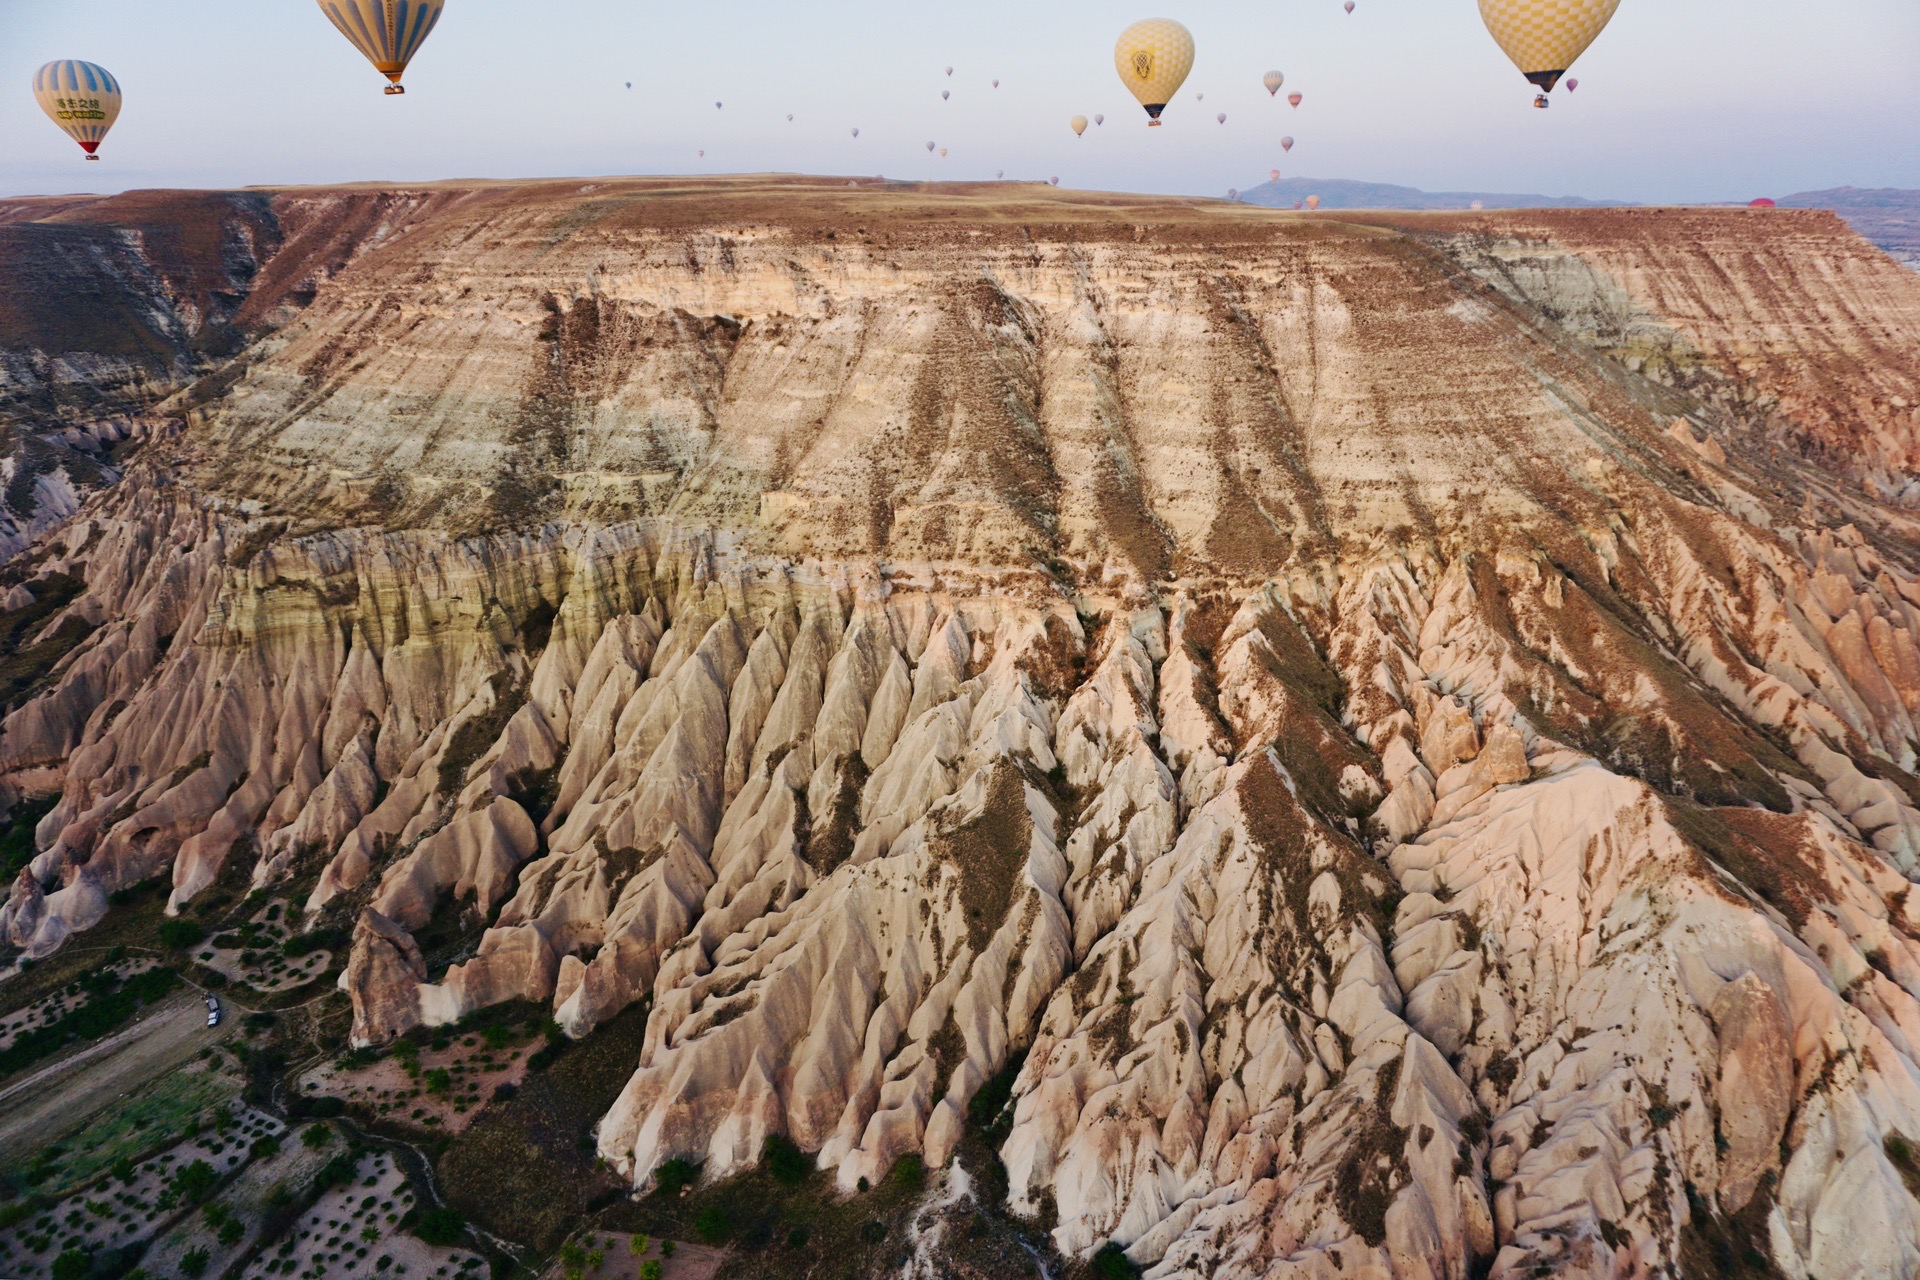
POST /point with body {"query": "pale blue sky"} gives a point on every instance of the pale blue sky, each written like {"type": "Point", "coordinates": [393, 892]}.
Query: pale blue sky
{"type": "Point", "coordinates": [1679, 99]}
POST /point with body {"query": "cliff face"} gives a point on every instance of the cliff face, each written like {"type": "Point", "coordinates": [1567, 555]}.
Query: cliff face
{"type": "Point", "coordinates": [1394, 737]}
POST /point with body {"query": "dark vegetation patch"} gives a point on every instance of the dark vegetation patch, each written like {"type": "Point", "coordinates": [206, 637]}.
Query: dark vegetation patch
{"type": "Point", "coordinates": [479, 732]}
{"type": "Point", "coordinates": [25, 662]}
{"type": "Point", "coordinates": [109, 1004]}
{"type": "Point", "coordinates": [990, 852]}
{"type": "Point", "coordinates": [16, 846]}
{"type": "Point", "coordinates": [1900, 1151]}
{"type": "Point", "coordinates": [1284, 837]}
{"type": "Point", "coordinates": [1716, 1246]}
{"type": "Point", "coordinates": [525, 1169]}
{"type": "Point", "coordinates": [829, 839]}
{"type": "Point", "coordinates": [1761, 850]}
{"type": "Point", "coordinates": [1376, 1164]}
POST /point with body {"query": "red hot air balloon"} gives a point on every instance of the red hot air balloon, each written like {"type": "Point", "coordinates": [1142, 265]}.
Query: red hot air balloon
{"type": "Point", "coordinates": [1763, 203]}
{"type": "Point", "coordinates": [1295, 99]}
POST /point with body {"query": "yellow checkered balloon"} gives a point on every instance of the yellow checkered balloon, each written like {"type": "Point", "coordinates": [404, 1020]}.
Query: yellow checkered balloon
{"type": "Point", "coordinates": [1153, 59]}
{"type": "Point", "coordinates": [1543, 37]}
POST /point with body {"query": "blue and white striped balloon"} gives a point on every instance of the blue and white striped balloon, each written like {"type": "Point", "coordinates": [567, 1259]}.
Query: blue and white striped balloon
{"type": "Point", "coordinates": [83, 99]}
{"type": "Point", "coordinates": [387, 32]}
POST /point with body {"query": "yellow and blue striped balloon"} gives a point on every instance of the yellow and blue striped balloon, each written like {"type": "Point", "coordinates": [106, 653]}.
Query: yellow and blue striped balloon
{"type": "Point", "coordinates": [387, 32]}
{"type": "Point", "coordinates": [84, 100]}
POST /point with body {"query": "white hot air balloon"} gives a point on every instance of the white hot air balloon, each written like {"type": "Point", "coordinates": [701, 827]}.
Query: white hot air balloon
{"type": "Point", "coordinates": [81, 98]}
{"type": "Point", "coordinates": [1078, 124]}
{"type": "Point", "coordinates": [1222, 117]}
{"type": "Point", "coordinates": [1098, 121]}
{"type": "Point", "coordinates": [999, 173]}
{"type": "Point", "coordinates": [1199, 97]}
{"type": "Point", "coordinates": [1286, 144]}
{"type": "Point", "coordinates": [943, 153]}
{"type": "Point", "coordinates": [1273, 80]}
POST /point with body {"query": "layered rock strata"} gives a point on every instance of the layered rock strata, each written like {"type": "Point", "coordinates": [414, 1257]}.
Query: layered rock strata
{"type": "Point", "coordinates": [1398, 786]}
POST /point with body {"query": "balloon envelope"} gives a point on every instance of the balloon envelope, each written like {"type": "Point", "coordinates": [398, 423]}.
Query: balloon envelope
{"type": "Point", "coordinates": [387, 32]}
{"type": "Point", "coordinates": [1313, 202]}
{"type": "Point", "coordinates": [1295, 99]}
{"type": "Point", "coordinates": [1573, 82]}
{"type": "Point", "coordinates": [1099, 120]}
{"type": "Point", "coordinates": [1273, 175]}
{"type": "Point", "coordinates": [1544, 39]}
{"type": "Point", "coordinates": [1273, 80]}
{"type": "Point", "coordinates": [1154, 58]}
{"type": "Point", "coordinates": [1222, 117]}
{"type": "Point", "coordinates": [1762, 203]}
{"type": "Point", "coordinates": [80, 97]}
{"type": "Point", "coordinates": [1286, 144]}
{"type": "Point", "coordinates": [1349, 6]}
{"type": "Point", "coordinates": [945, 94]}
{"type": "Point", "coordinates": [1078, 124]}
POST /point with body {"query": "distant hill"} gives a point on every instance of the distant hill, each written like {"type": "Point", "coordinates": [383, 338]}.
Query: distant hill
{"type": "Point", "coordinates": [1887, 216]}
{"type": "Point", "coordinates": [1341, 193]}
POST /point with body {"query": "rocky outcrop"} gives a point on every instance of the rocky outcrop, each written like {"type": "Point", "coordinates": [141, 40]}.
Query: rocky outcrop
{"type": "Point", "coordinates": [1384, 784]}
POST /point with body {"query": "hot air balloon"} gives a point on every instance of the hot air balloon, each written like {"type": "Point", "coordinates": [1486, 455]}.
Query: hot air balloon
{"type": "Point", "coordinates": [629, 84]}
{"type": "Point", "coordinates": [996, 84]}
{"type": "Point", "coordinates": [83, 99]}
{"type": "Point", "coordinates": [789, 117]}
{"type": "Point", "coordinates": [945, 94]}
{"type": "Point", "coordinates": [1273, 175]}
{"type": "Point", "coordinates": [1153, 58]}
{"type": "Point", "coordinates": [1099, 120]}
{"type": "Point", "coordinates": [1222, 117]}
{"type": "Point", "coordinates": [701, 154]}
{"type": "Point", "coordinates": [949, 70]}
{"type": "Point", "coordinates": [1349, 6]}
{"type": "Point", "coordinates": [1233, 193]}
{"type": "Point", "coordinates": [1295, 99]}
{"type": "Point", "coordinates": [1273, 80]}
{"type": "Point", "coordinates": [999, 173]}
{"type": "Point", "coordinates": [1544, 40]}
{"type": "Point", "coordinates": [718, 105]}
{"type": "Point", "coordinates": [943, 153]}
{"type": "Point", "coordinates": [1053, 182]}
{"type": "Point", "coordinates": [1297, 204]}
{"type": "Point", "coordinates": [1573, 82]}
{"type": "Point", "coordinates": [1078, 124]}
{"type": "Point", "coordinates": [1313, 202]}
{"type": "Point", "coordinates": [387, 32]}
{"type": "Point", "coordinates": [1762, 203]}
{"type": "Point", "coordinates": [1286, 144]}
{"type": "Point", "coordinates": [931, 146]}
{"type": "Point", "coordinates": [856, 133]}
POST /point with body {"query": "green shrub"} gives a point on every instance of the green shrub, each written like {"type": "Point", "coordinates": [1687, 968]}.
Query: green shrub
{"type": "Point", "coordinates": [315, 1136]}
{"type": "Point", "coordinates": [439, 1081]}
{"type": "Point", "coordinates": [443, 1227]}
{"type": "Point", "coordinates": [784, 1160]}
{"type": "Point", "coordinates": [909, 1172]}
{"type": "Point", "coordinates": [651, 1269]}
{"type": "Point", "coordinates": [196, 1182]}
{"type": "Point", "coordinates": [667, 1247]}
{"type": "Point", "coordinates": [194, 1264]}
{"type": "Point", "coordinates": [712, 1225]}
{"type": "Point", "coordinates": [673, 1175]}
{"type": "Point", "coordinates": [640, 1245]}
{"type": "Point", "coordinates": [180, 933]}
{"type": "Point", "coordinates": [231, 1231]}
{"type": "Point", "coordinates": [73, 1264]}
{"type": "Point", "coordinates": [1112, 1263]}
{"type": "Point", "coordinates": [497, 1037]}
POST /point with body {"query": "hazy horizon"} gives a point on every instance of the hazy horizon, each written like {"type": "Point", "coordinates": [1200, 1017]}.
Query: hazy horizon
{"type": "Point", "coordinates": [1686, 102]}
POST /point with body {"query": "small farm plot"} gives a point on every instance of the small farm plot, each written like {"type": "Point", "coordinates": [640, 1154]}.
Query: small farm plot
{"type": "Point", "coordinates": [267, 952]}
{"type": "Point", "coordinates": [362, 1229]}
{"type": "Point", "coordinates": [438, 1087]}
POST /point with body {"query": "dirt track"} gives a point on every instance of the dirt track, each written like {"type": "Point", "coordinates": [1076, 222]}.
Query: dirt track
{"type": "Point", "coordinates": [59, 1098]}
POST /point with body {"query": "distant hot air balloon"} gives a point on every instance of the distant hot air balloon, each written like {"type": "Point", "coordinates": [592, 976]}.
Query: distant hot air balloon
{"type": "Point", "coordinates": [1273, 80]}
{"type": "Point", "coordinates": [1763, 203]}
{"type": "Point", "coordinates": [1078, 124]}
{"type": "Point", "coordinates": [856, 133]}
{"type": "Point", "coordinates": [718, 105]}
{"type": "Point", "coordinates": [1297, 204]}
{"type": "Point", "coordinates": [629, 84]}
{"type": "Point", "coordinates": [932, 145]}
{"type": "Point", "coordinates": [1222, 117]}
{"type": "Point", "coordinates": [1153, 58]}
{"type": "Point", "coordinates": [1573, 82]}
{"type": "Point", "coordinates": [1313, 202]}
{"type": "Point", "coordinates": [999, 173]}
{"type": "Point", "coordinates": [701, 154]}
{"type": "Point", "coordinates": [1053, 182]}
{"type": "Point", "coordinates": [1477, 205]}
{"type": "Point", "coordinates": [1295, 99]}
{"type": "Point", "coordinates": [83, 99]}
{"type": "Point", "coordinates": [1286, 144]}
{"type": "Point", "coordinates": [1544, 40]}
{"type": "Point", "coordinates": [1273, 175]}
{"type": "Point", "coordinates": [1233, 193]}
{"type": "Point", "coordinates": [789, 117]}
{"type": "Point", "coordinates": [943, 153]}
{"type": "Point", "coordinates": [1349, 6]}
{"type": "Point", "coordinates": [1099, 120]}
{"type": "Point", "coordinates": [387, 32]}
{"type": "Point", "coordinates": [996, 84]}
{"type": "Point", "coordinates": [945, 94]}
